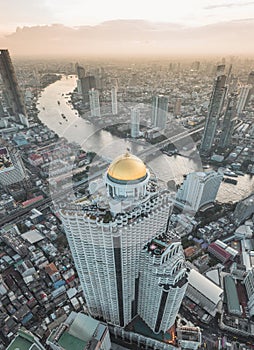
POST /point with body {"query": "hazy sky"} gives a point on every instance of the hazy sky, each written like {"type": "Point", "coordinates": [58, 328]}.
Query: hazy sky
{"type": "Point", "coordinates": [15, 13]}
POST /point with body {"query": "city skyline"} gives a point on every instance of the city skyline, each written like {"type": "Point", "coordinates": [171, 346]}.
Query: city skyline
{"type": "Point", "coordinates": [128, 193]}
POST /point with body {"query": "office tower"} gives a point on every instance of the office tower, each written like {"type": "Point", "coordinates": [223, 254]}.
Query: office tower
{"type": "Point", "coordinates": [233, 85]}
{"type": "Point", "coordinates": [243, 98]}
{"type": "Point", "coordinates": [12, 169]}
{"type": "Point", "coordinates": [82, 332]}
{"type": "Point", "coordinates": [85, 84]}
{"type": "Point", "coordinates": [80, 71]}
{"type": "Point", "coordinates": [250, 80]}
{"type": "Point", "coordinates": [135, 121]}
{"type": "Point", "coordinates": [128, 261]}
{"type": "Point", "coordinates": [25, 340]}
{"type": "Point", "coordinates": [159, 111]}
{"type": "Point", "coordinates": [244, 209]}
{"type": "Point", "coordinates": [114, 100]}
{"type": "Point", "coordinates": [214, 111]}
{"type": "Point", "coordinates": [199, 189]}
{"type": "Point", "coordinates": [249, 285]}
{"type": "Point", "coordinates": [229, 121]}
{"type": "Point", "coordinates": [177, 107]}
{"type": "Point", "coordinates": [94, 103]}
{"type": "Point", "coordinates": [220, 69]}
{"type": "Point", "coordinates": [189, 338]}
{"type": "Point", "coordinates": [12, 92]}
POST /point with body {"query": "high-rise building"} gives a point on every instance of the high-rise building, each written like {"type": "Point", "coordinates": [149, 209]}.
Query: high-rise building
{"type": "Point", "coordinates": [161, 292]}
{"type": "Point", "coordinates": [243, 98]}
{"type": "Point", "coordinates": [214, 111]}
{"type": "Point", "coordinates": [82, 332]}
{"type": "Point", "coordinates": [128, 261]}
{"type": "Point", "coordinates": [114, 100]}
{"type": "Point", "coordinates": [177, 107]}
{"type": "Point", "coordinates": [244, 209]}
{"type": "Point", "coordinates": [12, 169]}
{"type": "Point", "coordinates": [12, 92]}
{"type": "Point", "coordinates": [250, 80]}
{"type": "Point", "coordinates": [135, 121]}
{"type": "Point", "coordinates": [249, 285]}
{"type": "Point", "coordinates": [220, 69]}
{"type": "Point", "coordinates": [229, 121]}
{"type": "Point", "coordinates": [80, 71]}
{"type": "Point", "coordinates": [199, 189]}
{"type": "Point", "coordinates": [159, 111]}
{"type": "Point", "coordinates": [85, 84]}
{"type": "Point", "coordinates": [94, 103]}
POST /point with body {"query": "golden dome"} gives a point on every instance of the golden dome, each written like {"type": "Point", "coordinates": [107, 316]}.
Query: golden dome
{"type": "Point", "coordinates": [127, 167]}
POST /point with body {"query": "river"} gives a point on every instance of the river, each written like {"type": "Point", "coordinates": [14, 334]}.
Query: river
{"type": "Point", "coordinates": [92, 138]}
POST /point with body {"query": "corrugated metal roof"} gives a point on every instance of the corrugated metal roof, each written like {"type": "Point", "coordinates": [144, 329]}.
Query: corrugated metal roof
{"type": "Point", "coordinates": [232, 297]}
{"type": "Point", "coordinates": [205, 286]}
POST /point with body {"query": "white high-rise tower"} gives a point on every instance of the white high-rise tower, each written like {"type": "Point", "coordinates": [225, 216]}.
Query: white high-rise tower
{"type": "Point", "coordinates": [243, 97]}
{"type": "Point", "coordinates": [94, 103]}
{"type": "Point", "coordinates": [114, 100]}
{"type": "Point", "coordinates": [159, 111]}
{"type": "Point", "coordinates": [128, 262]}
{"type": "Point", "coordinates": [135, 121]}
{"type": "Point", "coordinates": [199, 189]}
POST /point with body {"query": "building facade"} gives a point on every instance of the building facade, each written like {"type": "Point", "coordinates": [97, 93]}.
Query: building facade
{"type": "Point", "coordinates": [214, 111]}
{"type": "Point", "coordinates": [177, 107]}
{"type": "Point", "coordinates": [199, 189]}
{"type": "Point", "coordinates": [94, 103]}
{"type": "Point", "coordinates": [159, 111]}
{"type": "Point", "coordinates": [85, 84]}
{"type": "Point", "coordinates": [114, 104]}
{"type": "Point", "coordinates": [12, 169]}
{"type": "Point", "coordinates": [243, 98]}
{"type": "Point", "coordinates": [12, 92]}
{"type": "Point", "coordinates": [249, 285]}
{"type": "Point", "coordinates": [244, 209]}
{"type": "Point", "coordinates": [135, 121]}
{"type": "Point", "coordinates": [114, 251]}
{"type": "Point", "coordinates": [229, 121]}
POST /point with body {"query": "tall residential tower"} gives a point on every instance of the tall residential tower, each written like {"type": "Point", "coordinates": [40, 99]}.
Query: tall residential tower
{"type": "Point", "coordinates": [12, 92]}
{"type": "Point", "coordinates": [128, 261]}
{"type": "Point", "coordinates": [159, 111]}
{"type": "Point", "coordinates": [135, 121]}
{"type": "Point", "coordinates": [214, 111]}
{"type": "Point", "coordinates": [229, 121]}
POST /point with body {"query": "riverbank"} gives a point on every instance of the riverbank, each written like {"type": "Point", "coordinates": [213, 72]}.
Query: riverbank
{"type": "Point", "coordinates": [93, 138]}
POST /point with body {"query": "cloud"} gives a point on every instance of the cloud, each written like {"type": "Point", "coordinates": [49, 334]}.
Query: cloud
{"type": "Point", "coordinates": [132, 37]}
{"type": "Point", "coordinates": [229, 5]}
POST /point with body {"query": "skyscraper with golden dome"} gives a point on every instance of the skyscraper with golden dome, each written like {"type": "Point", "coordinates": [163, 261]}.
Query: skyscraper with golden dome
{"type": "Point", "coordinates": [128, 262]}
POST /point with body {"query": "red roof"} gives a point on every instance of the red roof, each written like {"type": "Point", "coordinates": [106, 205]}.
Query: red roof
{"type": "Point", "coordinates": [32, 200]}
{"type": "Point", "coordinates": [35, 156]}
{"type": "Point", "coordinates": [219, 250]}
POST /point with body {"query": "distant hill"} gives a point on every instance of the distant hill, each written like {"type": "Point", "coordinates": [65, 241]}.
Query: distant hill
{"type": "Point", "coordinates": [131, 38]}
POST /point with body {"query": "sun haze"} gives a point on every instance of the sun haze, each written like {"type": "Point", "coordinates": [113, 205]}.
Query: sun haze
{"type": "Point", "coordinates": [105, 27]}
